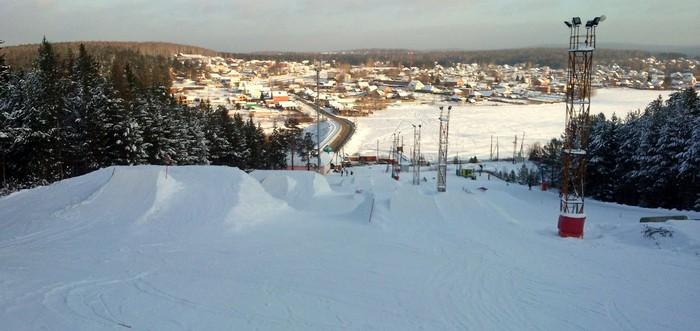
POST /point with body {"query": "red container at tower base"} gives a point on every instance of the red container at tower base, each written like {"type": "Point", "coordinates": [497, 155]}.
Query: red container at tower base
{"type": "Point", "coordinates": [571, 225]}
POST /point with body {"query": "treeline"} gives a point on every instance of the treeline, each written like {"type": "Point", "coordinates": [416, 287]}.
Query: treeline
{"type": "Point", "coordinates": [61, 119]}
{"type": "Point", "coordinates": [553, 57]}
{"type": "Point", "coordinates": [21, 57]}
{"type": "Point", "coordinates": [651, 158]}
{"type": "Point", "coordinates": [105, 52]}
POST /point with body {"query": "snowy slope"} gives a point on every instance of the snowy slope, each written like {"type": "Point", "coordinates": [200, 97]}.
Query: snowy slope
{"type": "Point", "coordinates": [471, 126]}
{"type": "Point", "coordinates": [214, 248]}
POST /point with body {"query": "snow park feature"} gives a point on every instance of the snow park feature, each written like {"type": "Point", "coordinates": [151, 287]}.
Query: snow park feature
{"type": "Point", "coordinates": [211, 248]}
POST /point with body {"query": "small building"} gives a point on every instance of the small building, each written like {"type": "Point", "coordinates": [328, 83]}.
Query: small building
{"type": "Point", "coordinates": [415, 85]}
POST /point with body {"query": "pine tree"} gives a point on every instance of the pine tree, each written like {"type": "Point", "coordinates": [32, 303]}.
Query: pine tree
{"type": "Point", "coordinates": [215, 132]}
{"type": "Point", "coordinates": [277, 150]}
{"type": "Point", "coordinates": [551, 160]}
{"type": "Point", "coordinates": [307, 149]}
{"type": "Point", "coordinates": [154, 116]}
{"type": "Point", "coordinates": [86, 100]}
{"type": "Point", "coordinates": [44, 116]}
{"type": "Point", "coordinates": [601, 157]}
{"type": "Point", "coordinates": [254, 138]}
{"type": "Point", "coordinates": [240, 148]}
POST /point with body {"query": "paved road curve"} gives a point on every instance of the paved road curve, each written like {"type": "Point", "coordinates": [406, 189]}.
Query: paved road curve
{"type": "Point", "coordinates": [346, 127]}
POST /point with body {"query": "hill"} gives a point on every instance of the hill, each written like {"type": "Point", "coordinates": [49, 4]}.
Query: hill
{"type": "Point", "coordinates": [21, 56]}
{"type": "Point", "coordinates": [206, 247]}
{"type": "Point", "coordinates": [553, 57]}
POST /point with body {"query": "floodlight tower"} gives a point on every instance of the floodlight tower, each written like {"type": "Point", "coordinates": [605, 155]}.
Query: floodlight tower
{"type": "Point", "coordinates": [416, 154]}
{"type": "Point", "coordinates": [318, 116]}
{"type": "Point", "coordinates": [577, 126]}
{"type": "Point", "coordinates": [442, 152]}
{"type": "Point", "coordinates": [396, 151]}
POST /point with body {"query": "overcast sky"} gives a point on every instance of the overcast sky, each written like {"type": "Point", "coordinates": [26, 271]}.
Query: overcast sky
{"type": "Point", "coordinates": [313, 25]}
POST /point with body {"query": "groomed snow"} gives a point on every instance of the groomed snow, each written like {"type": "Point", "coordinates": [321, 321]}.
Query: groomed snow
{"type": "Point", "coordinates": [211, 248]}
{"type": "Point", "coordinates": [471, 126]}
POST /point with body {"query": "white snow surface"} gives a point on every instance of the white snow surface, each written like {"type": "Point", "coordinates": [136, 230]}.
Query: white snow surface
{"type": "Point", "coordinates": [472, 125]}
{"type": "Point", "coordinates": [211, 248]}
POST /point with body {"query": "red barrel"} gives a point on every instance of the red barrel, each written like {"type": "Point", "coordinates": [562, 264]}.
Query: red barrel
{"type": "Point", "coordinates": [571, 225]}
{"type": "Point", "coordinates": [544, 186]}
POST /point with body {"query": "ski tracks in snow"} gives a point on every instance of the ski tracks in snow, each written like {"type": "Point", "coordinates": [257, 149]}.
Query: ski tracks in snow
{"type": "Point", "coordinates": [85, 299]}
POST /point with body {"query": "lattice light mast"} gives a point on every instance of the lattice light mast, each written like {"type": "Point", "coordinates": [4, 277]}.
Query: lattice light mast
{"type": "Point", "coordinates": [416, 154]}
{"type": "Point", "coordinates": [442, 152]}
{"type": "Point", "coordinates": [318, 115]}
{"type": "Point", "coordinates": [396, 151]}
{"type": "Point", "coordinates": [577, 126]}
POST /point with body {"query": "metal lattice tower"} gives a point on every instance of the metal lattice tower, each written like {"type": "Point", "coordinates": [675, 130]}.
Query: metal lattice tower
{"type": "Point", "coordinates": [318, 116]}
{"type": "Point", "coordinates": [442, 153]}
{"type": "Point", "coordinates": [577, 125]}
{"type": "Point", "coordinates": [416, 154]}
{"type": "Point", "coordinates": [396, 155]}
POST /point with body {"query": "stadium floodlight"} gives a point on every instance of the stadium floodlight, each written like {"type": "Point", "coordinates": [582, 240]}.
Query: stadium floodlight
{"type": "Point", "coordinates": [576, 21]}
{"type": "Point", "coordinates": [602, 18]}
{"type": "Point", "coordinates": [589, 24]}
{"type": "Point", "coordinates": [596, 20]}
{"type": "Point", "coordinates": [567, 23]}
{"type": "Point", "coordinates": [449, 108]}
{"type": "Point", "coordinates": [440, 107]}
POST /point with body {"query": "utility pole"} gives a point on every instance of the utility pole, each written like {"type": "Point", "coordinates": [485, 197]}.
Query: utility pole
{"type": "Point", "coordinates": [520, 154]}
{"type": "Point", "coordinates": [442, 152]}
{"type": "Point", "coordinates": [391, 155]}
{"type": "Point", "coordinates": [497, 147]}
{"type": "Point", "coordinates": [377, 151]}
{"type": "Point", "coordinates": [515, 145]}
{"type": "Point", "coordinates": [318, 117]}
{"type": "Point", "coordinates": [491, 150]}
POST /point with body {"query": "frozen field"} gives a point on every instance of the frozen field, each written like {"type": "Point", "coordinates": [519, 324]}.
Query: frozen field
{"type": "Point", "coordinates": [472, 126]}
{"type": "Point", "coordinates": [212, 248]}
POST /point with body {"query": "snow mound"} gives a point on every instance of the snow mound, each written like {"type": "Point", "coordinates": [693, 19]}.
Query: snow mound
{"type": "Point", "coordinates": [676, 236]}
{"type": "Point", "coordinates": [409, 203]}
{"type": "Point", "coordinates": [179, 248]}
{"type": "Point", "coordinates": [144, 198]}
{"type": "Point", "coordinates": [298, 188]}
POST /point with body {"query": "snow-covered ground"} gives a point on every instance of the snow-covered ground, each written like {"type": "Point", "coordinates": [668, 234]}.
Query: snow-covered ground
{"type": "Point", "coordinates": [472, 126]}
{"type": "Point", "coordinates": [211, 248]}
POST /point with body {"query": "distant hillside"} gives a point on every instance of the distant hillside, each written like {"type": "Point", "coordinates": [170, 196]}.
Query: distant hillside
{"type": "Point", "coordinates": [21, 56]}
{"type": "Point", "coordinates": [553, 57]}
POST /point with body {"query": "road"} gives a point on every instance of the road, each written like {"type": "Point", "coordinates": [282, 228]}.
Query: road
{"type": "Point", "coordinates": [343, 134]}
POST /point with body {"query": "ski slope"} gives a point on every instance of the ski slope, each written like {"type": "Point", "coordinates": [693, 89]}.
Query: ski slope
{"type": "Point", "coordinates": [211, 248]}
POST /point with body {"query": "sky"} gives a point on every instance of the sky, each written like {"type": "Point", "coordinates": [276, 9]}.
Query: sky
{"type": "Point", "coordinates": [327, 25]}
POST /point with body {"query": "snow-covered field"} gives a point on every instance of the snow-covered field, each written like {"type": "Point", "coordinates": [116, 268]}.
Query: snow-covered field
{"type": "Point", "coordinates": [472, 126]}
{"type": "Point", "coordinates": [212, 248]}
